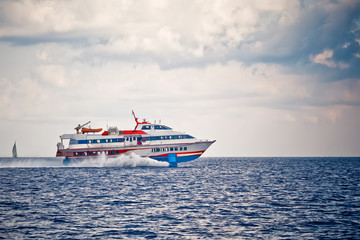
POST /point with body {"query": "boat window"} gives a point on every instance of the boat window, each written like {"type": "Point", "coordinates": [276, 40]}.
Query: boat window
{"type": "Point", "coordinates": [180, 148]}
{"type": "Point", "coordinates": [161, 127]}
{"type": "Point", "coordinates": [171, 149]}
{"type": "Point", "coordinates": [176, 149]}
{"type": "Point", "coordinates": [146, 127]}
{"type": "Point", "coordinates": [185, 148]}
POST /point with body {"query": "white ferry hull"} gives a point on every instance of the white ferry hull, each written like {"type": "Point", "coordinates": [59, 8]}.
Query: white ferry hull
{"type": "Point", "coordinates": [155, 141]}
{"type": "Point", "coordinates": [172, 153]}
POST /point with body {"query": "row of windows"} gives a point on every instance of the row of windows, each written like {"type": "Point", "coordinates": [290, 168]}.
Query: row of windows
{"type": "Point", "coordinates": [171, 149]}
{"type": "Point", "coordinates": [157, 127]}
{"type": "Point", "coordinates": [169, 137]}
{"type": "Point", "coordinates": [112, 140]}
{"type": "Point", "coordinates": [90, 153]}
{"type": "Point", "coordinates": [115, 140]}
{"type": "Point", "coordinates": [117, 152]}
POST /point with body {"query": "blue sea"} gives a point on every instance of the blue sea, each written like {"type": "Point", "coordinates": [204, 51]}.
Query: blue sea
{"type": "Point", "coordinates": [209, 198]}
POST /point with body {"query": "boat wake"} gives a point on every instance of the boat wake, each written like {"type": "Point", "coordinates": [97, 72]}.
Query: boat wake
{"type": "Point", "coordinates": [131, 160]}
{"type": "Point", "coordinates": [30, 162]}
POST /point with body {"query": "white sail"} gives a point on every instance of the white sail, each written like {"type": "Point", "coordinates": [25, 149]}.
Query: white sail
{"type": "Point", "coordinates": [14, 151]}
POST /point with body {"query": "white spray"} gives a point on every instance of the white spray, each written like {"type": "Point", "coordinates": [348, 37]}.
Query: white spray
{"type": "Point", "coordinates": [126, 160]}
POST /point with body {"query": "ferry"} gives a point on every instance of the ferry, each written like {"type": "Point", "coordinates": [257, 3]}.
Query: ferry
{"type": "Point", "coordinates": [155, 141]}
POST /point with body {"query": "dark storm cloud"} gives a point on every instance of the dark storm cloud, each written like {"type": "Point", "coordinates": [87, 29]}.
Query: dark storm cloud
{"type": "Point", "coordinates": [288, 36]}
{"type": "Point", "coordinates": [316, 29]}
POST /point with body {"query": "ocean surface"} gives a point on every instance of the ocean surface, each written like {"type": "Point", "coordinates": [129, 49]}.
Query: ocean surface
{"type": "Point", "coordinates": [209, 198]}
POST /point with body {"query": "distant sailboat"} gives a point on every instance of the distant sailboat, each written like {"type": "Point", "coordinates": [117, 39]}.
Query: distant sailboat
{"type": "Point", "coordinates": [14, 151]}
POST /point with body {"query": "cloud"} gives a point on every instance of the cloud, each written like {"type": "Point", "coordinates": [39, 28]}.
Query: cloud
{"type": "Point", "coordinates": [217, 88]}
{"type": "Point", "coordinates": [24, 99]}
{"type": "Point", "coordinates": [53, 74]}
{"type": "Point", "coordinates": [333, 114]}
{"type": "Point", "coordinates": [204, 28]}
{"type": "Point", "coordinates": [203, 33]}
{"type": "Point", "coordinates": [326, 58]}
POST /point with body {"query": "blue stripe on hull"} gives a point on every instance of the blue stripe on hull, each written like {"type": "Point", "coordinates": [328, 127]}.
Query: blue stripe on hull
{"type": "Point", "coordinates": [178, 159]}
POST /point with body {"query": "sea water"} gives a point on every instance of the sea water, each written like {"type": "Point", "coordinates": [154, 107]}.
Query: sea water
{"type": "Point", "coordinates": [209, 198]}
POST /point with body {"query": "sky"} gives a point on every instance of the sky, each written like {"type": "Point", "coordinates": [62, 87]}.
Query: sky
{"type": "Point", "coordinates": [262, 78]}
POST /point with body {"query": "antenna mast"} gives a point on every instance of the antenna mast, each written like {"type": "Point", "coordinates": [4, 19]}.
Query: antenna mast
{"type": "Point", "coordinates": [136, 120]}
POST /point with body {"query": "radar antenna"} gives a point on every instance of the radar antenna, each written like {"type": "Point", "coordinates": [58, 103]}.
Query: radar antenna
{"type": "Point", "coordinates": [80, 126]}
